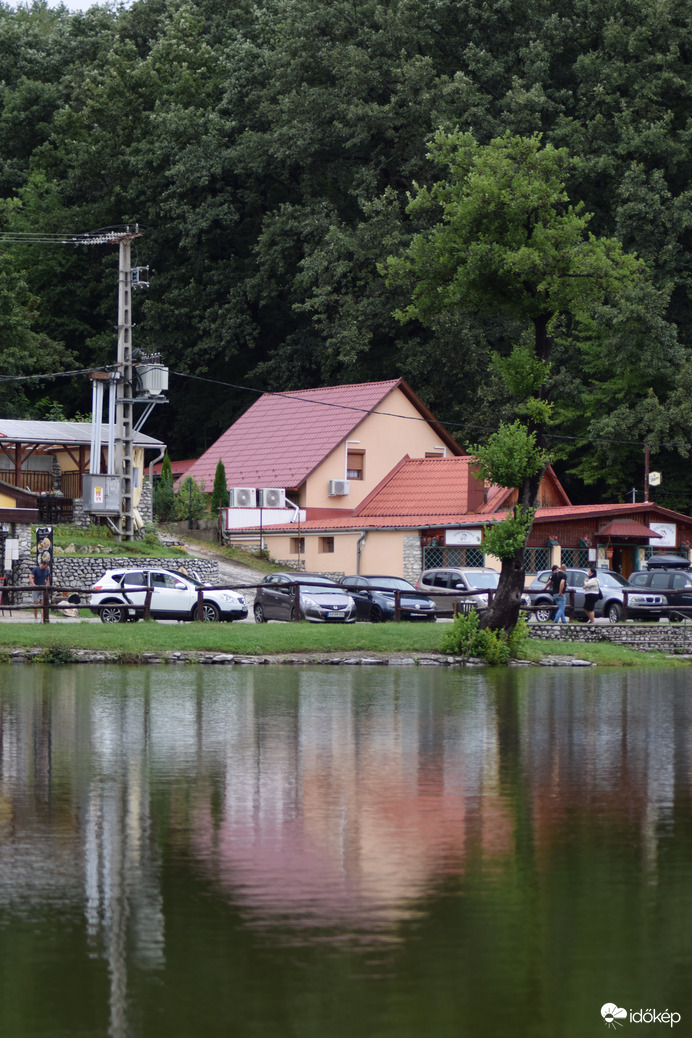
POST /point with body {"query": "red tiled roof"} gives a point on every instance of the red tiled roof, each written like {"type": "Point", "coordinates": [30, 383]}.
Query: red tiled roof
{"type": "Point", "coordinates": [427, 518]}
{"type": "Point", "coordinates": [178, 468]}
{"type": "Point", "coordinates": [626, 528]}
{"type": "Point", "coordinates": [284, 436]}
{"type": "Point", "coordinates": [436, 487]}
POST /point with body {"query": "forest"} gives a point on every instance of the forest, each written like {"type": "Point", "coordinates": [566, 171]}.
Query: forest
{"type": "Point", "coordinates": [269, 149]}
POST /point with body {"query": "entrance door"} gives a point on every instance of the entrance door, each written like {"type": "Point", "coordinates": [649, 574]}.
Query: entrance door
{"type": "Point", "coordinates": [623, 560]}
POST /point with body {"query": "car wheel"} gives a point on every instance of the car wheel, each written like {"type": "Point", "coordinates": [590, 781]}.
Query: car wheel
{"type": "Point", "coordinates": [375, 614]}
{"type": "Point", "coordinates": [260, 618]}
{"type": "Point", "coordinates": [210, 612]}
{"type": "Point", "coordinates": [613, 612]}
{"type": "Point", "coordinates": [543, 614]}
{"type": "Point", "coordinates": [112, 614]}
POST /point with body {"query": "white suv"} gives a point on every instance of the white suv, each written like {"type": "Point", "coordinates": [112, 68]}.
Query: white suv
{"type": "Point", "coordinates": [173, 597]}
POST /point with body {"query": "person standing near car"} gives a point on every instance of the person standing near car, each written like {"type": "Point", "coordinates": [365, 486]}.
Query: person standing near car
{"type": "Point", "coordinates": [561, 597]}
{"type": "Point", "coordinates": [592, 593]}
{"type": "Point", "coordinates": [557, 584]}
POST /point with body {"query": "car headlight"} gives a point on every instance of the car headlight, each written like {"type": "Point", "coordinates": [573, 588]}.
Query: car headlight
{"type": "Point", "coordinates": [229, 596]}
{"type": "Point", "coordinates": [306, 600]}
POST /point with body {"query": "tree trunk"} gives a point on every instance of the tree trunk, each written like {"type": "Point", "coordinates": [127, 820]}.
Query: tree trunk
{"type": "Point", "coordinates": [503, 612]}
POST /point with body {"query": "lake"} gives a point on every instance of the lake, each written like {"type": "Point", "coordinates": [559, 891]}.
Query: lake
{"type": "Point", "coordinates": [332, 851]}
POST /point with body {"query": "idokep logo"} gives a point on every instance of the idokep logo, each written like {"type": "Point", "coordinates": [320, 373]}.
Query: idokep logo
{"type": "Point", "coordinates": [613, 1016]}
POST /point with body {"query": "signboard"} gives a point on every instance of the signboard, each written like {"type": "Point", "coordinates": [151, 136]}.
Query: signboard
{"type": "Point", "coordinates": [44, 547]}
{"type": "Point", "coordinates": [466, 536]}
{"type": "Point", "coordinates": [668, 532]}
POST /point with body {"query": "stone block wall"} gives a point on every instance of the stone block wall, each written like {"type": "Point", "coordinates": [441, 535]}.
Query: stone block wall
{"type": "Point", "coordinates": [75, 571]}
{"type": "Point", "coordinates": [413, 557]}
{"type": "Point", "coordinates": [664, 637]}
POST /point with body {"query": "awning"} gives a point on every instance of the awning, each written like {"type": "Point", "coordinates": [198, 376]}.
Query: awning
{"type": "Point", "coordinates": [625, 528]}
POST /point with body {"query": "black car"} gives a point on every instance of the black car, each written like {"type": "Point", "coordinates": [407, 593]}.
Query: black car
{"type": "Point", "coordinates": [645, 606]}
{"type": "Point", "coordinates": [671, 577]}
{"type": "Point", "coordinates": [321, 600]}
{"type": "Point", "coordinates": [375, 599]}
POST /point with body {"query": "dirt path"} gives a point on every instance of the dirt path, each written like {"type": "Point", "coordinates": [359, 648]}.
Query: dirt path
{"type": "Point", "coordinates": [229, 572]}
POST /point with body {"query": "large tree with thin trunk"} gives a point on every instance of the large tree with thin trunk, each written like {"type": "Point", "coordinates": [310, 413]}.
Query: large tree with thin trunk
{"type": "Point", "coordinates": [504, 239]}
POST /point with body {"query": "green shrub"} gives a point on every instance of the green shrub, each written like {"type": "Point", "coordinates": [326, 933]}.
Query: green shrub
{"type": "Point", "coordinates": [464, 638]}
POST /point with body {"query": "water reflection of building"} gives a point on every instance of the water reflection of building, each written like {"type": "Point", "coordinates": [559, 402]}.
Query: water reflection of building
{"type": "Point", "coordinates": [324, 797]}
{"type": "Point", "coordinates": [355, 802]}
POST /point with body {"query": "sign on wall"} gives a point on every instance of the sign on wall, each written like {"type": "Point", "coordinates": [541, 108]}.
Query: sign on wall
{"type": "Point", "coordinates": [668, 532]}
{"type": "Point", "coordinates": [466, 536]}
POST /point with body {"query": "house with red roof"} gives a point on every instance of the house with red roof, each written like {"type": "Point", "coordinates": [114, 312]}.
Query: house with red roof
{"type": "Point", "coordinates": [322, 450]}
{"type": "Point", "coordinates": [433, 511]}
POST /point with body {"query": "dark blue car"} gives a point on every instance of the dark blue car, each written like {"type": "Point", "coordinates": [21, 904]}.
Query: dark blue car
{"type": "Point", "coordinates": [375, 599]}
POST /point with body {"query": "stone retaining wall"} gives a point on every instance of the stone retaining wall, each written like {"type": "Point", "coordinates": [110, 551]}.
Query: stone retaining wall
{"type": "Point", "coordinates": [80, 571]}
{"type": "Point", "coordinates": [664, 637]}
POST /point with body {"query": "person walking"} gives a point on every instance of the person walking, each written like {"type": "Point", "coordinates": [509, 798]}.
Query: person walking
{"type": "Point", "coordinates": [555, 582]}
{"type": "Point", "coordinates": [561, 596]}
{"type": "Point", "coordinates": [38, 578]}
{"type": "Point", "coordinates": [592, 593]}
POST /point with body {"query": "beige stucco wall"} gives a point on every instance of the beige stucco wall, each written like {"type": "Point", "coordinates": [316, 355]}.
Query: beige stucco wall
{"type": "Point", "coordinates": [382, 552]}
{"type": "Point", "coordinates": [385, 441]}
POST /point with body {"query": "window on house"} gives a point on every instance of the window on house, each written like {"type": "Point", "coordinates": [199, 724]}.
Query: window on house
{"type": "Point", "coordinates": [326, 544]}
{"type": "Point", "coordinates": [297, 545]}
{"type": "Point", "coordinates": [355, 464]}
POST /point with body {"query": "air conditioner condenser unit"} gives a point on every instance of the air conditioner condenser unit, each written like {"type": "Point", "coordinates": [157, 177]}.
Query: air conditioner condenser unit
{"type": "Point", "coordinates": [339, 487]}
{"type": "Point", "coordinates": [242, 497]}
{"type": "Point", "coordinates": [272, 497]}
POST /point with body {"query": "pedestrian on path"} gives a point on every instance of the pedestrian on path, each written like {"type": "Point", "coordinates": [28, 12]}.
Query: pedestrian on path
{"type": "Point", "coordinates": [39, 578]}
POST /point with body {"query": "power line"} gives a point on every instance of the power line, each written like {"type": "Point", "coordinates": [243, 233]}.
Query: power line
{"type": "Point", "coordinates": [447, 423]}
{"type": "Point", "coordinates": [55, 375]}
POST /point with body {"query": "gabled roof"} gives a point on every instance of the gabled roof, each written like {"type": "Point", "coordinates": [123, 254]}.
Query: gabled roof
{"type": "Point", "coordinates": [424, 486]}
{"type": "Point", "coordinates": [283, 437]}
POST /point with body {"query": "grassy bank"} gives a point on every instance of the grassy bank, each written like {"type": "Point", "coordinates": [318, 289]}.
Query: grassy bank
{"type": "Point", "coordinates": [270, 639]}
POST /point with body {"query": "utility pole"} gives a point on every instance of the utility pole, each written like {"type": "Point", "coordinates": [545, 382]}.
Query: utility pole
{"type": "Point", "coordinates": [124, 465]}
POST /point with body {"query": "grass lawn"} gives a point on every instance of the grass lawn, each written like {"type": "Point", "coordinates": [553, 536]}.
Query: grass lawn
{"type": "Point", "coordinates": [276, 638]}
{"type": "Point", "coordinates": [244, 639]}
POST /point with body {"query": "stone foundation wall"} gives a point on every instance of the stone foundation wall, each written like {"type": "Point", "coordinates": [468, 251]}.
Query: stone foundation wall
{"type": "Point", "coordinates": [83, 571]}
{"type": "Point", "coordinates": [664, 637]}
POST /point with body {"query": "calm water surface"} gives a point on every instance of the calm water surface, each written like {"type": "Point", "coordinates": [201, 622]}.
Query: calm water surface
{"type": "Point", "coordinates": [326, 852]}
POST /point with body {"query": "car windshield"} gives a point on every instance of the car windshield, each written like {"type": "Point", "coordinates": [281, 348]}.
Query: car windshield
{"type": "Point", "coordinates": [484, 580]}
{"type": "Point", "coordinates": [395, 583]}
{"type": "Point", "coordinates": [612, 580]}
{"type": "Point", "coordinates": [313, 578]}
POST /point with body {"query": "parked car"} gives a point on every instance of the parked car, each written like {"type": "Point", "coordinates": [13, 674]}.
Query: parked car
{"type": "Point", "coordinates": [434, 582]}
{"type": "Point", "coordinates": [375, 604]}
{"type": "Point", "coordinates": [173, 597]}
{"type": "Point", "coordinates": [646, 606]}
{"type": "Point", "coordinates": [321, 601]}
{"type": "Point", "coordinates": [671, 577]}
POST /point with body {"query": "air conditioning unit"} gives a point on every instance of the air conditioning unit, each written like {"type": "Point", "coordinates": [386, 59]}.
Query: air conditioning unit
{"type": "Point", "coordinates": [242, 497]}
{"type": "Point", "coordinates": [339, 487]}
{"type": "Point", "coordinates": [274, 497]}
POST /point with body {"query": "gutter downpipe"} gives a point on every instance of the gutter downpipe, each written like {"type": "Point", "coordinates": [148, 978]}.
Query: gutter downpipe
{"type": "Point", "coordinates": [153, 462]}
{"type": "Point", "coordinates": [359, 546]}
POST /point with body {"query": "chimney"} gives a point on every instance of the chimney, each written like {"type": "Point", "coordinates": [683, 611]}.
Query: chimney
{"type": "Point", "coordinates": [475, 491]}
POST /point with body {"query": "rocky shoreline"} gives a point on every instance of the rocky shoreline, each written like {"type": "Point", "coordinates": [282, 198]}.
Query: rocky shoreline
{"type": "Point", "coordinates": [58, 654]}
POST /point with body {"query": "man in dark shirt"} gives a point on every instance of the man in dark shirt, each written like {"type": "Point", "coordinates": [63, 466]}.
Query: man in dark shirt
{"type": "Point", "coordinates": [557, 583]}
{"type": "Point", "coordinates": [39, 577]}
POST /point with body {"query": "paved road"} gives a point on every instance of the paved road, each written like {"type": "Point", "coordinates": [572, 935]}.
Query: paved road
{"type": "Point", "coordinates": [230, 572]}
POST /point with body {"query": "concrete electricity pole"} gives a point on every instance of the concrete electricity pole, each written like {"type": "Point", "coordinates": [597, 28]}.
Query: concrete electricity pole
{"type": "Point", "coordinates": [124, 465]}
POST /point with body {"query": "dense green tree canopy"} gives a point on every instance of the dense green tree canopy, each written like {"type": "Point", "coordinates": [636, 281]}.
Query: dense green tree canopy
{"type": "Point", "coordinates": [267, 148]}
{"type": "Point", "coordinates": [505, 238]}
